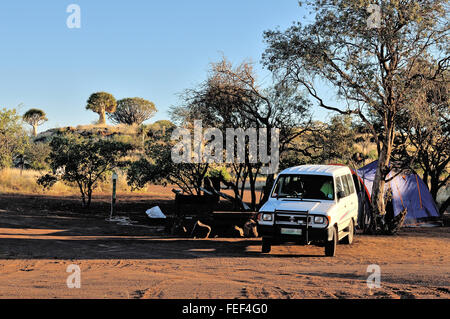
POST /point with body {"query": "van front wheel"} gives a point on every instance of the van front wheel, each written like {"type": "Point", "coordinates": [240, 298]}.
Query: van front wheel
{"type": "Point", "coordinates": [330, 246]}
{"type": "Point", "coordinates": [348, 240]}
{"type": "Point", "coordinates": [266, 246]}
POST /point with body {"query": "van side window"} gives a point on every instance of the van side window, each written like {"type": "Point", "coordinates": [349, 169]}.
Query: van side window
{"type": "Point", "coordinates": [339, 187]}
{"type": "Point", "coordinates": [346, 187]}
{"type": "Point", "coordinates": [351, 185]}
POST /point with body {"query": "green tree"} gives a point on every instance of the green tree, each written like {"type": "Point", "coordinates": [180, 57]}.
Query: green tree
{"type": "Point", "coordinates": [372, 67]}
{"type": "Point", "coordinates": [34, 156]}
{"type": "Point", "coordinates": [157, 167]}
{"type": "Point", "coordinates": [132, 111]}
{"type": "Point", "coordinates": [425, 137]}
{"type": "Point", "coordinates": [13, 138]}
{"type": "Point", "coordinates": [83, 161]}
{"type": "Point", "coordinates": [338, 140]}
{"type": "Point", "coordinates": [100, 103]}
{"type": "Point", "coordinates": [35, 118]}
{"type": "Point", "coordinates": [161, 127]}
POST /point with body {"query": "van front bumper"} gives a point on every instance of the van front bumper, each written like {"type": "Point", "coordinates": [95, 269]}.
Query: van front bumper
{"type": "Point", "coordinates": [273, 233]}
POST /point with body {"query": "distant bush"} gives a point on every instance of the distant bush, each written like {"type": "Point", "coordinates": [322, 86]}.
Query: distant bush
{"type": "Point", "coordinates": [35, 156]}
{"type": "Point", "coordinates": [220, 173]}
{"type": "Point", "coordinates": [13, 138]}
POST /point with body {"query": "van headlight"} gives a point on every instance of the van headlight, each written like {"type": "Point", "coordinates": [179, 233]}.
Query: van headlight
{"type": "Point", "coordinates": [267, 217]}
{"type": "Point", "coordinates": [320, 220]}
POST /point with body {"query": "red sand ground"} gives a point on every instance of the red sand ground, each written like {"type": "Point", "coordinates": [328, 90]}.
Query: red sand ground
{"type": "Point", "coordinates": [41, 236]}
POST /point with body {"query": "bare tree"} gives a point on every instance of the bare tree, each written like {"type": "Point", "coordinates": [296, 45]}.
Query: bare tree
{"type": "Point", "coordinates": [232, 98]}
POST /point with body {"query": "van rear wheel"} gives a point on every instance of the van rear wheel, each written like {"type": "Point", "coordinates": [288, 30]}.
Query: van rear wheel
{"type": "Point", "coordinates": [266, 246]}
{"type": "Point", "coordinates": [330, 246]}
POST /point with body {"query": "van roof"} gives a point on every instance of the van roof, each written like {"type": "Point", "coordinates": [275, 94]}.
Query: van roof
{"type": "Point", "coordinates": [330, 170]}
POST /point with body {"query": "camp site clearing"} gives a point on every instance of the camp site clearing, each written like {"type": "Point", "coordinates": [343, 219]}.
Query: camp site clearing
{"type": "Point", "coordinates": [41, 236]}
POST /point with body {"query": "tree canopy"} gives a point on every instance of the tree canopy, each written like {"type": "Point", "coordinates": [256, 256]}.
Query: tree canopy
{"type": "Point", "coordinates": [132, 111]}
{"type": "Point", "coordinates": [424, 139]}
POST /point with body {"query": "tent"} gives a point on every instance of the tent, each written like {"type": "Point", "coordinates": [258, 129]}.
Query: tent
{"type": "Point", "coordinates": [408, 191]}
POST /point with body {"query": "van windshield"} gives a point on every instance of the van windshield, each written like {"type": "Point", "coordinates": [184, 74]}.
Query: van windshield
{"type": "Point", "coordinates": [305, 187]}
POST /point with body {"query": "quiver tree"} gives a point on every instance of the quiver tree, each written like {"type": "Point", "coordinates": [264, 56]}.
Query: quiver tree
{"type": "Point", "coordinates": [100, 103]}
{"type": "Point", "coordinates": [132, 111]}
{"type": "Point", "coordinates": [35, 118]}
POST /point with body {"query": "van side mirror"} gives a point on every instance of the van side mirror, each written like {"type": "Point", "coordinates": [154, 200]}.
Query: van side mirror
{"type": "Point", "coordinates": [340, 195]}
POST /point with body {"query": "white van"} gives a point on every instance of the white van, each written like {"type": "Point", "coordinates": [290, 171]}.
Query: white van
{"type": "Point", "coordinates": [310, 204]}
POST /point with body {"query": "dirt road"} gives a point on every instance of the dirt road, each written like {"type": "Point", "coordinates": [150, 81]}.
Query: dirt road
{"type": "Point", "coordinates": [118, 261]}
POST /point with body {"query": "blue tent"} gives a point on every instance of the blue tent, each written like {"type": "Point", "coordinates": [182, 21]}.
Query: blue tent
{"type": "Point", "coordinates": [408, 191]}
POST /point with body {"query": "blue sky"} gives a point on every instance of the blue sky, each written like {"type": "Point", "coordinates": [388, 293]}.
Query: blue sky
{"type": "Point", "coordinates": [150, 49]}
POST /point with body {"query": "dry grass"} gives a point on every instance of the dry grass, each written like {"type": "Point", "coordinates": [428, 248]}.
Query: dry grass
{"type": "Point", "coordinates": [12, 180]}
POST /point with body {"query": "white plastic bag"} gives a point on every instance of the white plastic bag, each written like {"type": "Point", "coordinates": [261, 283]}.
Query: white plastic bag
{"type": "Point", "coordinates": [155, 212]}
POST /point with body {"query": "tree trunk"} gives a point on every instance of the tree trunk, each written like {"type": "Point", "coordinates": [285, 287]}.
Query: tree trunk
{"type": "Point", "coordinates": [243, 182]}
{"type": "Point", "coordinates": [425, 178]}
{"type": "Point", "coordinates": [267, 188]}
{"type": "Point", "coordinates": [434, 185]}
{"type": "Point", "coordinates": [34, 130]}
{"type": "Point", "coordinates": [102, 119]}
{"type": "Point", "coordinates": [252, 181]}
{"type": "Point", "coordinates": [89, 198]}
{"type": "Point", "coordinates": [83, 196]}
{"type": "Point", "coordinates": [253, 193]}
{"type": "Point", "coordinates": [377, 201]}
{"type": "Point", "coordinates": [83, 200]}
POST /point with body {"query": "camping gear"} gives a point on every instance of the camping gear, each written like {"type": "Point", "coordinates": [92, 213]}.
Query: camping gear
{"type": "Point", "coordinates": [408, 192]}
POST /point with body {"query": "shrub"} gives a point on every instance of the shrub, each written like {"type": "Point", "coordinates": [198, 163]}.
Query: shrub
{"type": "Point", "coordinates": [84, 162]}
